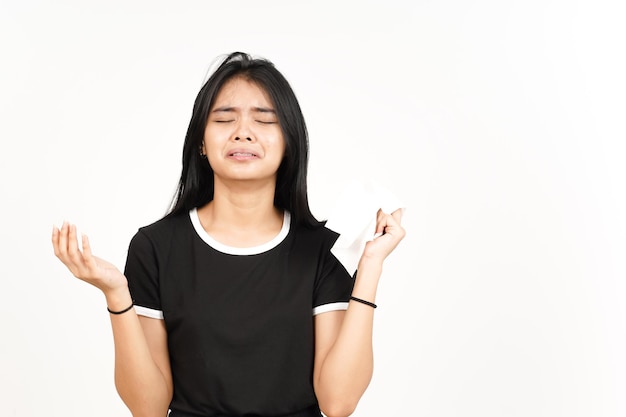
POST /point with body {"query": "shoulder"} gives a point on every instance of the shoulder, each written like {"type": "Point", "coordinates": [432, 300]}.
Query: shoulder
{"type": "Point", "coordinates": [163, 229]}
{"type": "Point", "coordinates": [319, 236]}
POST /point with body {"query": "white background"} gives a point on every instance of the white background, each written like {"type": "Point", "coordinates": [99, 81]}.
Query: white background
{"type": "Point", "coordinates": [500, 124]}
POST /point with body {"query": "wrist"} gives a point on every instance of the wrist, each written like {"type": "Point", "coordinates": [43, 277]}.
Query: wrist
{"type": "Point", "coordinates": [371, 264]}
{"type": "Point", "coordinates": [367, 278]}
{"type": "Point", "coordinates": [118, 299]}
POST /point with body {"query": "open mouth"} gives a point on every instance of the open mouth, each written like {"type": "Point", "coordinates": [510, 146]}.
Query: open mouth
{"type": "Point", "coordinates": [243, 154]}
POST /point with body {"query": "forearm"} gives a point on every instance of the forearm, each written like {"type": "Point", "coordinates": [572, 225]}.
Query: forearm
{"type": "Point", "coordinates": [347, 369]}
{"type": "Point", "coordinates": [139, 381]}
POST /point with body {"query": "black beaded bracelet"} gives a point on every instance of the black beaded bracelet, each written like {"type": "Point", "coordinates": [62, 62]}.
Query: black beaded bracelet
{"type": "Point", "coordinates": [364, 302]}
{"type": "Point", "coordinates": [121, 311]}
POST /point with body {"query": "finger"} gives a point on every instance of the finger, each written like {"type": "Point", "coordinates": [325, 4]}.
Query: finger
{"type": "Point", "coordinates": [62, 242]}
{"type": "Point", "coordinates": [380, 222]}
{"type": "Point", "coordinates": [55, 240]}
{"type": "Point", "coordinates": [87, 254]}
{"type": "Point", "coordinates": [384, 223]}
{"type": "Point", "coordinates": [72, 245]}
{"type": "Point", "coordinates": [397, 215]}
{"type": "Point", "coordinates": [394, 227]}
{"type": "Point", "coordinates": [392, 224]}
{"type": "Point", "coordinates": [82, 265]}
{"type": "Point", "coordinates": [62, 248]}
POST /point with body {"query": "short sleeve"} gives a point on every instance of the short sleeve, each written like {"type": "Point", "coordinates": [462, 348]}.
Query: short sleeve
{"type": "Point", "coordinates": [142, 273]}
{"type": "Point", "coordinates": [333, 286]}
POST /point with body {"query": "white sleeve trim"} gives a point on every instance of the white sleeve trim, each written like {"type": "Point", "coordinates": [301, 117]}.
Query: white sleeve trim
{"type": "Point", "coordinates": [324, 308]}
{"type": "Point", "coordinates": [149, 312]}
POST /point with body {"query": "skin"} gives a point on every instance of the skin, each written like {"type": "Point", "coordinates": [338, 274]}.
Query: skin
{"type": "Point", "coordinates": [242, 119]}
{"type": "Point", "coordinates": [241, 214]}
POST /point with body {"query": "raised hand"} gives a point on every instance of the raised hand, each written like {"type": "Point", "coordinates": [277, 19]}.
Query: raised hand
{"type": "Point", "coordinates": [389, 233]}
{"type": "Point", "coordinates": [83, 264]}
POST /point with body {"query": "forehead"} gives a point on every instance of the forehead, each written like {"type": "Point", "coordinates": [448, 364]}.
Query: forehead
{"type": "Point", "coordinates": [241, 92]}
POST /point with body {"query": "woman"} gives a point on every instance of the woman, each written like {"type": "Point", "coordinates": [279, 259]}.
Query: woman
{"type": "Point", "coordinates": [224, 286]}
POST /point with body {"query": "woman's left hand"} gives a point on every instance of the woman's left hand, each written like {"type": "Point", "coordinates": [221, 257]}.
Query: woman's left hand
{"type": "Point", "coordinates": [389, 233]}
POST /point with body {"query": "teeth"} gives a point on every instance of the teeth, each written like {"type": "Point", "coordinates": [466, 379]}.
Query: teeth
{"type": "Point", "coordinates": [243, 154]}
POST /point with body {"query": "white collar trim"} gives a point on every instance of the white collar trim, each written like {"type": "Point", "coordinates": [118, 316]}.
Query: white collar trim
{"type": "Point", "coordinates": [253, 250]}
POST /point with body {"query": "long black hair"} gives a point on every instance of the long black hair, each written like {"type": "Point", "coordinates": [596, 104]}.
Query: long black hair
{"type": "Point", "coordinates": [196, 184]}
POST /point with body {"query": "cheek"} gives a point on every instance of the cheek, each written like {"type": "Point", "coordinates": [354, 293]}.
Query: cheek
{"type": "Point", "coordinates": [213, 139]}
{"type": "Point", "coordinates": [281, 146]}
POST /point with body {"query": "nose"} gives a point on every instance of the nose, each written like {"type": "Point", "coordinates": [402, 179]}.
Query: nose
{"type": "Point", "coordinates": [243, 134]}
{"type": "Point", "coordinates": [243, 131]}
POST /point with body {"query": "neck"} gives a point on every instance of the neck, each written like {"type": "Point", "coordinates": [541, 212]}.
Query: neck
{"type": "Point", "coordinates": [242, 206]}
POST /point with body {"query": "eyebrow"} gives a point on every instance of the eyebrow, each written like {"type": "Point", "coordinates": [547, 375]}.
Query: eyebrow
{"type": "Point", "coordinates": [225, 109]}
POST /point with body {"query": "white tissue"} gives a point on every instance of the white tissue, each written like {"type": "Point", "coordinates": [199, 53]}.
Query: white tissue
{"type": "Point", "coordinates": [354, 218]}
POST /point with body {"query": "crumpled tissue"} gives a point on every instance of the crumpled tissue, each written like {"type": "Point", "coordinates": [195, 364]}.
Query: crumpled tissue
{"type": "Point", "coordinates": [354, 219]}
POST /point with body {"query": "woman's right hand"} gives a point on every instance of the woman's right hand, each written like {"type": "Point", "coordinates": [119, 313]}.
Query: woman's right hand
{"type": "Point", "coordinates": [83, 264]}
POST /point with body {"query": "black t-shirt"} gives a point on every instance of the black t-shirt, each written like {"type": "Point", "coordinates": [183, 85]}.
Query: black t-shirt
{"type": "Point", "coordinates": [239, 320]}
